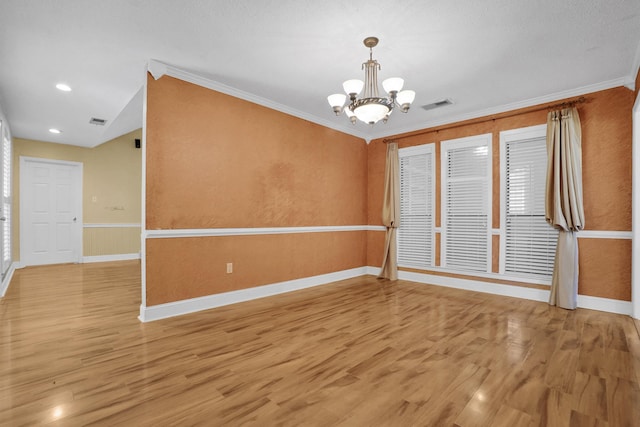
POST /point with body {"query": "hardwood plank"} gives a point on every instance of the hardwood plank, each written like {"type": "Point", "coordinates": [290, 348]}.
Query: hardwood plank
{"type": "Point", "coordinates": [557, 410]}
{"type": "Point", "coordinates": [357, 352]}
{"type": "Point", "coordinates": [581, 420]}
{"type": "Point", "coordinates": [590, 396]}
{"type": "Point", "coordinates": [509, 417]}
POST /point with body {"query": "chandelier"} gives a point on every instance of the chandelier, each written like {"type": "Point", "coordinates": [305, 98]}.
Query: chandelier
{"type": "Point", "coordinates": [371, 108]}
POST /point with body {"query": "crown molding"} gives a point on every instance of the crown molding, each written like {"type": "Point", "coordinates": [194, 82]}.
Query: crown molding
{"type": "Point", "coordinates": [582, 90]}
{"type": "Point", "coordinates": [159, 69]}
{"type": "Point", "coordinates": [635, 66]}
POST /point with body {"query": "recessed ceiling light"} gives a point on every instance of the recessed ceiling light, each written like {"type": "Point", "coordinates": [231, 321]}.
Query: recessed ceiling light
{"type": "Point", "coordinates": [54, 130]}
{"type": "Point", "coordinates": [63, 87]}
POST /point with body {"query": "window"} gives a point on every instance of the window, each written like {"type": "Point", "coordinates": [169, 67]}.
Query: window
{"type": "Point", "coordinates": [528, 243]}
{"type": "Point", "coordinates": [417, 189]}
{"type": "Point", "coordinates": [466, 203]}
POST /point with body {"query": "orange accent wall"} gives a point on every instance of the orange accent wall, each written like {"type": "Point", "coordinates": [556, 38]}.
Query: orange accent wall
{"type": "Point", "coordinates": [376, 163]}
{"type": "Point", "coordinates": [606, 157]}
{"type": "Point", "coordinates": [182, 268]}
{"type": "Point", "coordinates": [606, 160]}
{"type": "Point", "coordinates": [605, 268]}
{"type": "Point", "coordinates": [218, 161]}
{"type": "Point", "coordinates": [495, 251]}
{"type": "Point", "coordinates": [215, 161]}
{"type": "Point", "coordinates": [375, 248]}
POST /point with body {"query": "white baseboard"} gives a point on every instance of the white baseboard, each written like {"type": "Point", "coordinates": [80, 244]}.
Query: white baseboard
{"type": "Point", "coordinates": [605, 304]}
{"type": "Point", "coordinates": [171, 309]}
{"type": "Point", "coordinates": [584, 301]}
{"type": "Point", "coordinates": [177, 308]}
{"type": "Point", "coordinates": [476, 285]}
{"type": "Point", "coordinates": [6, 281]}
{"type": "Point", "coordinates": [108, 258]}
{"type": "Point", "coordinates": [373, 271]}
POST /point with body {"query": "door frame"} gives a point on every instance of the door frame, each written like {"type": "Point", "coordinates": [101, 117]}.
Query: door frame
{"type": "Point", "coordinates": [635, 211]}
{"type": "Point", "coordinates": [23, 223]}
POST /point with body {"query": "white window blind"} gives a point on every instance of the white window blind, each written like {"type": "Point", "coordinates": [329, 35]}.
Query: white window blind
{"type": "Point", "coordinates": [466, 214]}
{"type": "Point", "coordinates": [529, 242]}
{"type": "Point", "coordinates": [417, 188]}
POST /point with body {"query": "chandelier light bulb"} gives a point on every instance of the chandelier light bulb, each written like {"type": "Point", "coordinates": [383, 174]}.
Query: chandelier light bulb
{"type": "Point", "coordinates": [393, 84]}
{"type": "Point", "coordinates": [405, 98]}
{"type": "Point", "coordinates": [337, 101]}
{"type": "Point", "coordinates": [371, 113]}
{"type": "Point", "coordinates": [353, 87]}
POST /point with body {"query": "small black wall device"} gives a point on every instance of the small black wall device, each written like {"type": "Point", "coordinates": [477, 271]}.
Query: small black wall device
{"type": "Point", "coordinates": [137, 143]}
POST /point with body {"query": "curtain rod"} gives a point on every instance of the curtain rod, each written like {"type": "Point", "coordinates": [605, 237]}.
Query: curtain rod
{"type": "Point", "coordinates": [565, 104]}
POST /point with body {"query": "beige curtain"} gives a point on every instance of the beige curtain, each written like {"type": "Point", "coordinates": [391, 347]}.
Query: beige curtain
{"type": "Point", "coordinates": [391, 213]}
{"type": "Point", "coordinates": [563, 202]}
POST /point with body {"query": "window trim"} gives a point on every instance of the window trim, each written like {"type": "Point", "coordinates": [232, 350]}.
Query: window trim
{"type": "Point", "coordinates": [529, 132]}
{"type": "Point", "coordinates": [470, 141]}
{"type": "Point", "coordinates": [429, 149]}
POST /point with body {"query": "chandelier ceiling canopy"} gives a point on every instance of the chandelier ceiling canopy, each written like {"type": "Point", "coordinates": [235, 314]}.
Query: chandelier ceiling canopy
{"type": "Point", "coordinates": [370, 107]}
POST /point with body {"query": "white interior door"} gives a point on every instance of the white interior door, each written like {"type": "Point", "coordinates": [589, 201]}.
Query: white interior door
{"type": "Point", "coordinates": [50, 211]}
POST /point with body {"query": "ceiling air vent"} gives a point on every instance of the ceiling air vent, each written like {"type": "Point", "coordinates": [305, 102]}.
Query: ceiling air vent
{"type": "Point", "coordinates": [96, 121]}
{"type": "Point", "coordinates": [437, 104]}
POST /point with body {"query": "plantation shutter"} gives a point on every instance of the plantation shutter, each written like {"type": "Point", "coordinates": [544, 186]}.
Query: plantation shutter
{"type": "Point", "coordinates": [5, 200]}
{"type": "Point", "coordinates": [530, 242]}
{"type": "Point", "coordinates": [467, 204]}
{"type": "Point", "coordinates": [6, 203]}
{"type": "Point", "coordinates": [415, 235]}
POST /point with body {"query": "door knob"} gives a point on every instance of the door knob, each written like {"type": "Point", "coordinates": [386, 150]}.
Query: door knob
{"type": "Point", "coordinates": [74, 219]}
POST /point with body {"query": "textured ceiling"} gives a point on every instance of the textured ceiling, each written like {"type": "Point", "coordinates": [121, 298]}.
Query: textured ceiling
{"type": "Point", "coordinates": [487, 56]}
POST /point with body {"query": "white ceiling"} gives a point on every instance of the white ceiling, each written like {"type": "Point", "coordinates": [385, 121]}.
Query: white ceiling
{"type": "Point", "coordinates": [487, 56]}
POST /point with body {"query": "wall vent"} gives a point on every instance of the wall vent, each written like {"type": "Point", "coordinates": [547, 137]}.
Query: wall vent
{"type": "Point", "coordinates": [437, 104]}
{"type": "Point", "coordinates": [96, 121]}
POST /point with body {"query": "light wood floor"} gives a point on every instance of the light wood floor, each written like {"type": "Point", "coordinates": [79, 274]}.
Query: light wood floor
{"type": "Point", "coordinates": [361, 352]}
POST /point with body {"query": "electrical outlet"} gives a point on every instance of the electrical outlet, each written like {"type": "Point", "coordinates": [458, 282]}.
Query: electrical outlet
{"type": "Point", "coordinates": [229, 267]}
